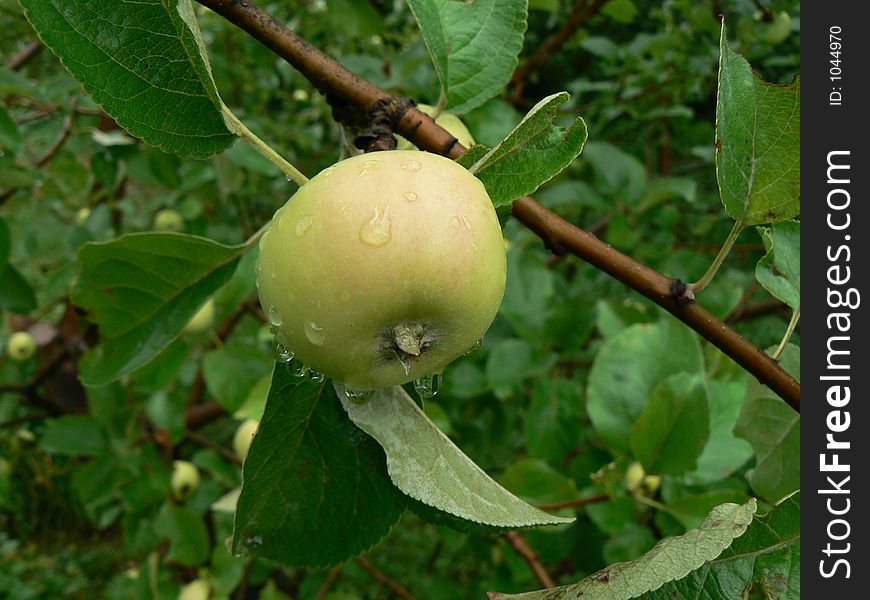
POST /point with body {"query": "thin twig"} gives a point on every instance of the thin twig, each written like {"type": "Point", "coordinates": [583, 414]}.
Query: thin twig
{"type": "Point", "coordinates": [23, 56]}
{"type": "Point", "coordinates": [330, 579]}
{"type": "Point", "coordinates": [558, 235]}
{"type": "Point", "coordinates": [574, 502]}
{"type": "Point", "coordinates": [580, 14]}
{"type": "Point", "coordinates": [518, 543]}
{"type": "Point", "coordinates": [382, 578]}
{"type": "Point", "coordinates": [201, 440]}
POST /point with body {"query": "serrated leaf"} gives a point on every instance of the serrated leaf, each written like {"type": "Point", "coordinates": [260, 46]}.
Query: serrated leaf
{"type": "Point", "coordinates": [669, 560]}
{"type": "Point", "coordinates": [671, 431]}
{"type": "Point", "coordinates": [628, 367]}
{"type": "Point", "coordinates": [779, 271]}
{"type": "Point", "coordinates": [429, 468]}
{"type": "Point", "coordinates": [141, 289]}
{"type": "Point", "coordinates": [757, 142]}
{"type": "Point", "coordinates": [766, 557]}
{"type": "Point", "coordinates": [145, 63]}
{"type": "Point", "coordinates": [774, 430]}
{"type": "Point", "coordinates": [533, 153]}
{"type": "Point", "coordinates": [312, 475]}
{"type": "Point", "coordinates": [473, 45]}
{"type": "Point", "coordinates": [73, 435]}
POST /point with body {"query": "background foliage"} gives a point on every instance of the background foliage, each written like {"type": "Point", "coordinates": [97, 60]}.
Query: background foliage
{"type": "Point", "coordinates": [575, 381]}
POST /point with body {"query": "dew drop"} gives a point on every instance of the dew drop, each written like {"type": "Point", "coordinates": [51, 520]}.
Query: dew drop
{"type": "Point", "coordinates": [314, 333]}
{"type": "Point", "coordinates": [357, 396]}
{"type": "Point", "coordinates": [254, 541]}
{"type": "Point", "coordinates": [428, 386]}
{"type": "Point", "coordinates": [275, 317]}
{"type": "Point", "coordinates": [282, 352]}
{"type": "Point", "coordinates": [377, 231]}
{"type": "Point", "coordinates": [303, 225]}
{"type": "Point", "coordinates": [411, 196]}
{"type": "Point", "coordinates": [301, 371]}
{"type": "Point", "coordinates": [474, 348]}
{"type": "Point", "coordinates": [411, 166]}
{"type": "Point", "coordinates": [367, 168]}
{"type": "Point", "coordinates": [315, 376]}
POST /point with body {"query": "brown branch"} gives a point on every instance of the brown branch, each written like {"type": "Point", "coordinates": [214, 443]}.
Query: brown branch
{"type": "Point", "coordinates": [558, 235]}
{"type": "Point", "coordinates": [382, 578]}
{"type": "Point", "coordinates": [519, 544]}
{"type": "Point", "coordinates": [580, 14]}
{"type": "Point", "coordinates": [330, 579]}
{"type": "Point", "coordinates": [574, 502]}
{"type": "Point", "coordinates": [201, 440]}
{"type": "Point", "coordinates": [23, 56]}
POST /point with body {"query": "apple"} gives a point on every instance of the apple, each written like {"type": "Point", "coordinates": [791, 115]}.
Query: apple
{"type": "Point", "coordinates": [634, 476]}
{"type": "Point", "coordinates": [445, 120]}
{"type": "Point", "coordinates": [198, 589]}
{"type": "Point", "coordinates": [383, 268]}
{"type": "Point", "coordinates": [185, 479]}
{"type": "Point", "coordinates": [244, 436]}
{"type": "Point", "coordinates": [82, 215]}
{"type": "Point", "coordinates": [21, 346]}
{"type": "Point", "coordinates": [202, 319]}
{"type": "Point", "coordinates": [168, 220]}
{"type": "Point", "coordinates": [778, 29]}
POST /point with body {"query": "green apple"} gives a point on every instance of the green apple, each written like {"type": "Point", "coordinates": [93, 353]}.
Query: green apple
{"type": "Point", "coordinates": [202, 319]}
{"type": "Point", "coordinates": [244, 436]}
{"type": "Point", "coordinates": [168, 220]}
{"type": "Point", "coordinates": [185, 479]}
{"type": "Point", "coordinates": [21, 346]}
{"type": "Point", "coordinates": [82, 215]}
{"type": "Point", "coordinates": [778, 29]}
{"type": "Point", "coordinates": [446, 120]}
{"type": "Point", "coordinates": [198, 589]}
{"type": "Point", "coordinates": [634, 475]}
{"type": "Point", "coordinates": [383, 268]}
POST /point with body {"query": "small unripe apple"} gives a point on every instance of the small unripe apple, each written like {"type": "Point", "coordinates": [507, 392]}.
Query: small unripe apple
{"type": "Point", "coordinates": [82, 215]}
{"type": "Point", "coordinates": [168, 220]}
{"type": "Point", "coordinates": [383, 268]}
{"type": "Point", "coordinates": [198, 589]}
{"type": "Point", "coordinates": [202, 319]}
{"type": "Point", "coordinates": [778, 29]}
{"type": "Point", "coordinates": [652, 483]}
{"type": "Point", "coordinates": [634, 475]}
{"type": "Point", "coordinates": [21, 346]}
{"type": "Point", "coordinates": [185, 478]}
{"type": "Point", "coordinates": [244, 436]}
{"type": "Point", "coordinates": [447, 121]}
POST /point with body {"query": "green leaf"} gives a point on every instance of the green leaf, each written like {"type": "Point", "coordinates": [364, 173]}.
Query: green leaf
{"type": "Point", "coordinates": [553, 426]}
{"type": "Point", "coordinates": [724, 452]}
{"type": "Point", "coordinates": [536, 481]}
{"type": "Point", "coordinates": [779, 271]}
{"type": "Point", "coordinates": [188, 538]}
{"type": "Point", "coordinates": [626, 369]}
{"type": "Point", "coordinates": [141, 289]}
{"type": "Point", "coordinates": [15, 293]}
{"type": "Point", "coordinates": [757, 142]}
{"type": "Point", "coordinates": [671, 431]}
{"type": "Point", "coordinates": [429, 468]}
{"type": "Point", "coordinates": [232, 371]}
{"type": "Point", "coordinates": [73, 435]}
{"type": "Point", "coordinates": [145, 63]}
{"type": "Point", "coordinates": [315, 489]}
{"type": "Point", "coordinates": [533, 153]}
{"type": "Point", "coordinates": [510, 362]}
{"type": "Point", "coordinates": [670, 560]}
{"type": "Point", "coordinates": [765, 558]}
{"type": "Point", "coordinates": [774, 430]}
{"type": "Point", "coordinates": [10, 137]}
{"type": "Point", "coordinates": [473, 45]}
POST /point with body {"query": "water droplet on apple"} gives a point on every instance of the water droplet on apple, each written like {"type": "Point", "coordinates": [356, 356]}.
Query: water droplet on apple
{"type": "Point", "coordinates": [428, 386]}
{"type": "Point", "coordinates": [314, 333]}
{"type": "Point", "coordinates": [474, 348]}
{"type": "Point", "coordinates": [303, 225]}
{"type": "Point", "coordinates": [367, 168]}
{"type": "Point", "coordinates": [377, 231]}
{"type": "Point", "coordinates": [315, 376]}
{"type": "Point", "coordinates": [411, 166]}
{"type": "Point", "coordinates": [411, 196]}
{"type": "Point", "coordinates": [357, 396]}
{"type": "Point", "coordinates": [282, 352]}
{"type": "Point", "coordinates": [301, 371]}
{"type": "Point", "coordinates": [275, 316]}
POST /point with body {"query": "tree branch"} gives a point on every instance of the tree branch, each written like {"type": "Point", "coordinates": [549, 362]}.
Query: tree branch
{"type": "Point", "coordinates": [519, 544]}
{"type": "Point", "coordinates": [23, 56]}
{"type": "Point", "coordinates": [382, 578]}
{"type": "Point", "coordinates": [337, 82]}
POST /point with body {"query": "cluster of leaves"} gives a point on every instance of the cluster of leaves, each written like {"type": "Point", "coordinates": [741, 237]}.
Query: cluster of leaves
{"type": "Point", "coordinates": [577, 382]}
